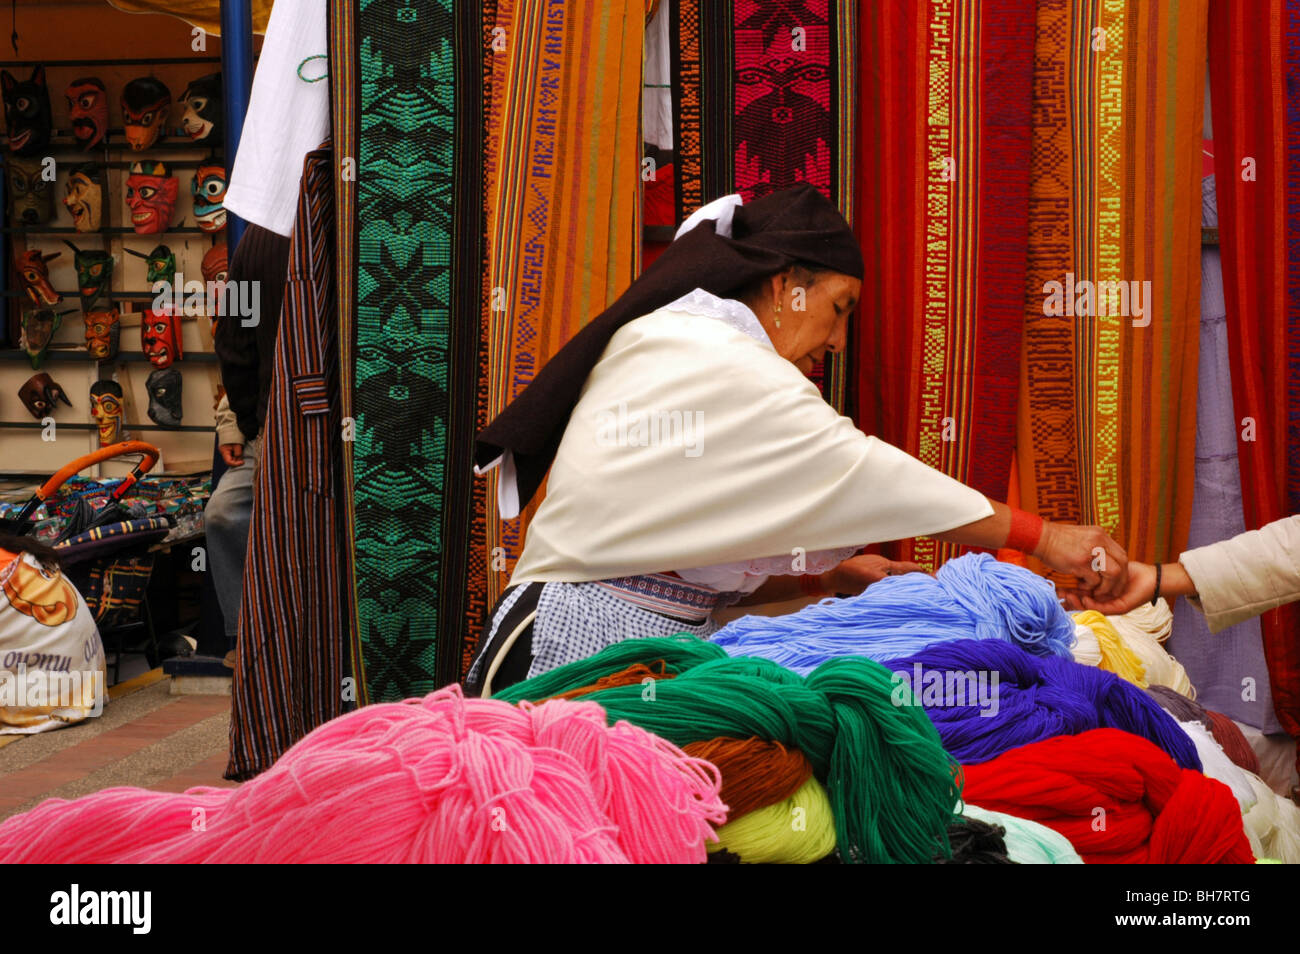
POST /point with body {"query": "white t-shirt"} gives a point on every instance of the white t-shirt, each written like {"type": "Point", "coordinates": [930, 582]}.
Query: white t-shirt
{"type": "Point", "coordinates": [287, 116]}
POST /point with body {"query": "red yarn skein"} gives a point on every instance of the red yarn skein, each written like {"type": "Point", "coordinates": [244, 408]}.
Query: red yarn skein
{"type": "Point", "coordinates": [1117, 797]}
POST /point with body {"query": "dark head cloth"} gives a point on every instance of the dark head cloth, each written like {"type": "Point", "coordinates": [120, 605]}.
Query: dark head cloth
{"type": "Point", "coordinates": [768, 235]}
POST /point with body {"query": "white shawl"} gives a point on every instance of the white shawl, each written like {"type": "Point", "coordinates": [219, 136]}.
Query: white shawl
{"type": "Point", "coordinates": [749, 461]}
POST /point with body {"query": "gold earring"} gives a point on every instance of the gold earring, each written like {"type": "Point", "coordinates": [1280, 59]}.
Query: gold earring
{"type": "Point", "coordinates": [778, 313]}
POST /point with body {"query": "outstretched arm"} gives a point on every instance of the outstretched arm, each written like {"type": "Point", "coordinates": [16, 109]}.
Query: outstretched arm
{"type": "Point", "coordinates": [1087, 553]}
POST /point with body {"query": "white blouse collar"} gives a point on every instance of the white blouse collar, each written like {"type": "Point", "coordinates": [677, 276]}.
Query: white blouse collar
{"type": "Point", "coordinates": [735, 314]}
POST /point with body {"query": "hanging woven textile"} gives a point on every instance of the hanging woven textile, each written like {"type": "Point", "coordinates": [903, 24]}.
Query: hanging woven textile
{"type": "Point", "coordinates": [942, 192]}
{"type": "Point", "coordinates": [416, 339]}
{"type": "Point", "coordinates": [1255, 97]}
{"type": "Point", "coordinates": [1106, 431]}
{"type": "Point", "coordinates": [764, 97]}
{"type": "Point", "coordinates": [479, 577]}
{"type": "Point", "coordinates": [563, 197]}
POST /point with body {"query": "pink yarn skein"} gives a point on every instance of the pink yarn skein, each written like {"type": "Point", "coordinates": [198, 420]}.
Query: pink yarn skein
{"type": "Point", "coordinates": [442, 779]}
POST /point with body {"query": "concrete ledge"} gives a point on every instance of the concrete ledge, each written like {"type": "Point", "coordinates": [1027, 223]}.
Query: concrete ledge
{"type": "Point", "coordinates": [201, 685]}
{"type": "Point", "coordinates": [199, 676]}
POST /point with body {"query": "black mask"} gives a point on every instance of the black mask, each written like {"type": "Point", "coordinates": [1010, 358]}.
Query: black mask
{"type": "Point", "coordinates": [164, 388]}
{"type": "Point", "coordinates": [27, 113]}
{"type": "Point", "coordinates": [203, 117]}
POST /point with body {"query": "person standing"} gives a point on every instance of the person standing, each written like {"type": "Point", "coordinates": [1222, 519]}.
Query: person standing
{"type": "Point", "coordinates": [245, 347]}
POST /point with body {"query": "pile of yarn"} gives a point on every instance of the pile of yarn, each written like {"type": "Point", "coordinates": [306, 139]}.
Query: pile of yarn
{"type": "Point", "coordinates": [1027, 842]}
{"type": "Point", "coordinates": [1272, 821]}
{"type": "Point", "coordinates": [986, 696]}
{"type": "Point", "coordinates": [808, 763]}
{"type": "Point", "coordinates": [971, 597]}
{"type": "Point", "coordinates": [439, 780]}
{"type": "Point", "coordinates": [1132, 646]}
{"type": "Point", "coordinates": [1117, 798]}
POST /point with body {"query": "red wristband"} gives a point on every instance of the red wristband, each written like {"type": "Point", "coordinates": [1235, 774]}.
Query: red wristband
{"type": "Point", "coordinates": [1026, 531]}
{"type": "Point", "coordinates": [812, 585]}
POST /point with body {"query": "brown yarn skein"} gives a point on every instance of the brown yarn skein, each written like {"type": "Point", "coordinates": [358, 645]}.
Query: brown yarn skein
{"type": "Point", "coordinates": [1230, 737]}
{"type": "Point", "coordinates": [755, 773]}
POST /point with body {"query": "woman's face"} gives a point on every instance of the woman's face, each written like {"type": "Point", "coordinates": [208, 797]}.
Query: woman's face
{"type": "Point", "coordinates": [813, 317]}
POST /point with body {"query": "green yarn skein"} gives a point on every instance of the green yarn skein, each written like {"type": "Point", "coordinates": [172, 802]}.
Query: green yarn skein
{"type": "Point", "coordinates": [893, 789]}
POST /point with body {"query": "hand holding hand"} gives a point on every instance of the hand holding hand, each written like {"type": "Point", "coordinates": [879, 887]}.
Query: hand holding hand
{"type": "Point", "coordinates": [1087, 553]}
{"type": "Point", "coordinates": [1140, 588]}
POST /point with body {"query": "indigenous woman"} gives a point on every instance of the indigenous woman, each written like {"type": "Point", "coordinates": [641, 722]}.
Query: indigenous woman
{"type": "Point", "coordinates": [693, 465]}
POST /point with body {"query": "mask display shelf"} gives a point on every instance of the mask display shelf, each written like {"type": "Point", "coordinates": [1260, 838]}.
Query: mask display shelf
{"type": "Point", "coordinates": [113, 178]}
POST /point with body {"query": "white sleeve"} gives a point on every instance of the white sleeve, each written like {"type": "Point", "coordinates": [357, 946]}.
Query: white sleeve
{"type": "Point", "coordinates": [1247, 575]}
{"type": "Point", "coordinates": [287, 116]}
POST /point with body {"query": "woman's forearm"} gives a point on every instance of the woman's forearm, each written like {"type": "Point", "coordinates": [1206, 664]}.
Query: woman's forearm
{"type": "Point", "coordinates": [989, 532]}
{"type": "Point", "coordinates": [1176, 581]}
{"type": "Point", "coordinates": [1089, 554]}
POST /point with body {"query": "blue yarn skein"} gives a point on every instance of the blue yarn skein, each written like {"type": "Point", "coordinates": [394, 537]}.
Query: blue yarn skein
{"type": "Point", "coordinates": [971, 597]}
{"type": "Point", "coordinates": [1035, 698]}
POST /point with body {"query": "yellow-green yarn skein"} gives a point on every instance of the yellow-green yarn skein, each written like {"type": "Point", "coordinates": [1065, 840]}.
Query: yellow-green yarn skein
{"type": "Point", "coordinates": [797, 831]}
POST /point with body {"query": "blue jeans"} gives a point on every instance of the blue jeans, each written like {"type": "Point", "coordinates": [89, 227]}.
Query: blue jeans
{"type": "Point", "coordinates": [226, 519]}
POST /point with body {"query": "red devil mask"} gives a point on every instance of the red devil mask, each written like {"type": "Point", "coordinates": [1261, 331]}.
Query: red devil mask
{"type": "Point", "coordinates": [103, 330]}
{"type": "Point", "coordinates": [34, 276]}
{"type": "Point", "coordinates": [160, 338]}
{"type": "Point", "coordinates": [215, 270]}
{"type": "Point", "coordinates": [88, 109]}
{"type": "Point", "coordinates": [215, 267]}
{"type": "Point", "coordinates": [151, 196]}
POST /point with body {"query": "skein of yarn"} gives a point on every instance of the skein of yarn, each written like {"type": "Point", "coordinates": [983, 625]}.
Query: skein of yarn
{"type": "Point", "coordinates": [1105, 642]}
{"type": "Point", "coordinates": [1217, 765]}
{"type": "Point", "coordinates": [798, 830]}
{"type": "Point", "coordinates": [1117, 798]}
{"type": "Point", "coordinates": [976, 842]}
{"type": "Point", "coordinates": [439, 780]}
{"type": "Point", "coordinates": [1144, 631]}
{"type": "Point", "coordinates": [1028, 843]}
{"type": "Point", "coordinates": [971, 597]}
{"type": "Point", "coordinates": [986, 696]}
{"type": "Point", "coordinates": [1179, 706]}
{"type": "Point", "coordinates": [755, 773]}
{"type": "Point", "coordinates": [1229, 735]}
{"type": "Point", "coordinates": [892, 787]}
{"type": "Point", "coordinates": [1274, 821]}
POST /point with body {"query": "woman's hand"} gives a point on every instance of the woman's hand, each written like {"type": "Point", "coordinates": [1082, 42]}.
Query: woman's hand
{"type": "Point", "coordinates": [1088, 554]}
{"type": "Point", "coordinates": [1141, 588]}
{"type": "Point", "coordinates": [857, 573]}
